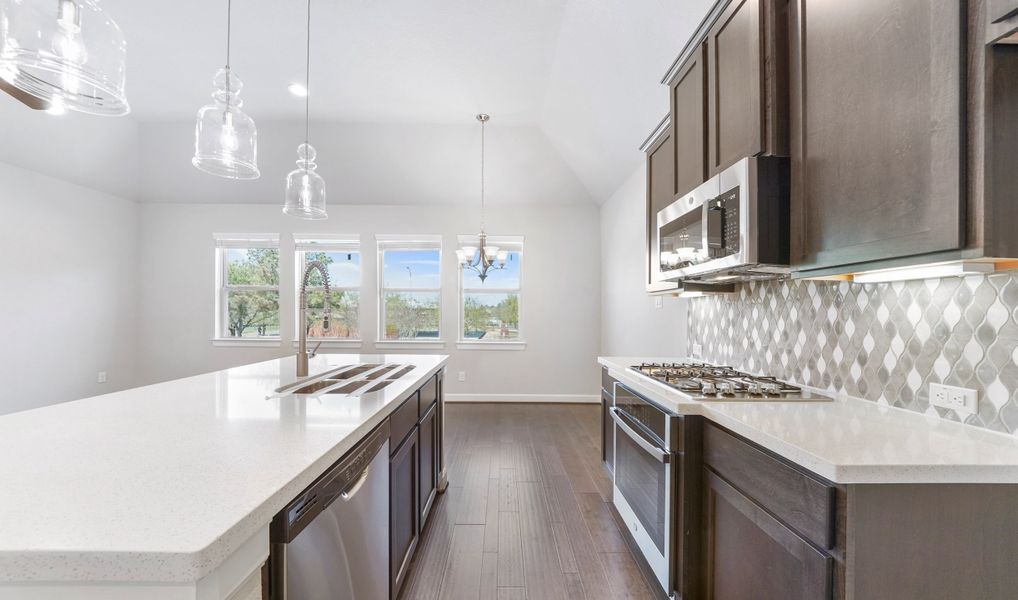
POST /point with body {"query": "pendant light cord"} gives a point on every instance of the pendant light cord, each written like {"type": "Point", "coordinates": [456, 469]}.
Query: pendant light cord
{"type": "Point", "coordinates": [307, 83]}
{"type": "Point", "coordinates": [482, 176]}
{"type": "Point", "coordinates": [229, 22]}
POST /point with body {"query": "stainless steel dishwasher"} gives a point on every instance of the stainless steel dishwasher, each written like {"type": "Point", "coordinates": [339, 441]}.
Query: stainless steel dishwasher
{"type": "Point", "coordinates": [332, 541]}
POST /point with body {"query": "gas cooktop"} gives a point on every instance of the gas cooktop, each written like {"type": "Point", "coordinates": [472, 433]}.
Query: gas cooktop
{"type": "Point", "coordinates": [701, 381]}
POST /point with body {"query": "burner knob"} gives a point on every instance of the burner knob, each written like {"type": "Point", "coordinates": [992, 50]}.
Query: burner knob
{"type": "Point", "coordinates": [754, 388]}
{"type": "Point", "coordinates": [726, 388]}
{"type": "Point", "coordinates": [772, 388]}
{"type": "Point", "coordinates": [708, 389]}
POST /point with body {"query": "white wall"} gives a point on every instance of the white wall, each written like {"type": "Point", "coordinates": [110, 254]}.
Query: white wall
{"type": "Point", "coordinates": [560, 304]}
{"type": "Point", "coordinates": [631, 325]}
{"type": "Point", "coordinates": [67, 306]}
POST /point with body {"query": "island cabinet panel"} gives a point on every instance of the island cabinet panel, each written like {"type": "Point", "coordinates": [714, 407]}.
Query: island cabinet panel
{"type": "Point", "coordinates": [404, 521]}
{"type": "Point", "coordinates": [753, 556]}
{"type": "Point", "coordinates": [689, 124]}
{"type": "Point", "coordinates": [403, 420]}
{"type": "Point", "coordinates": [428, 462]}
{"type": "Point", "coordinates": [877, 130]}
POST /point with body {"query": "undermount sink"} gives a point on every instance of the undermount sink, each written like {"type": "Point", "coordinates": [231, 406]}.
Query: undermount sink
{"type": "Point", "coordinates": [363, 378]}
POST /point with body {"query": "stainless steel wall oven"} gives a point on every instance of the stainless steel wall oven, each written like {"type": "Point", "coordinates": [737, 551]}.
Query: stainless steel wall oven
{"type": "Point", "coordinates": [654, 486]}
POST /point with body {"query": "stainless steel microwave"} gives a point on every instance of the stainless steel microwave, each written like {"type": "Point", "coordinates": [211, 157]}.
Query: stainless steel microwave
{"type": "Point", "coordinates": [733, 227]}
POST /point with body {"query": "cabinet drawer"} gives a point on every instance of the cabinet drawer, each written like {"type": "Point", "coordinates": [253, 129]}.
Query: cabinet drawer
{"type": "Point", "coordinates": [800, 500]}
{"type": "Point", "coordinates": [429, 395]}
{"type": "Point", "coordinates": [607, 382]}
{"type": "Point", "coordinates": [403, 421]}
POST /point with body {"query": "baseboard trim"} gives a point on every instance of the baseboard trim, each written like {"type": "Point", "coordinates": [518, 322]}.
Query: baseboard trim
{"type": "Point", "coordinates": [525, 398]}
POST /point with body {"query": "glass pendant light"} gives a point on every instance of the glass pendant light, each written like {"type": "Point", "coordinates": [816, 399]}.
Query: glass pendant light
{"type": "Point", "coordinates": [67, 53]}
{"type": "Point", "coordinates": [305, 189]}
{"type": "Point", "coordinates": [225, 138]}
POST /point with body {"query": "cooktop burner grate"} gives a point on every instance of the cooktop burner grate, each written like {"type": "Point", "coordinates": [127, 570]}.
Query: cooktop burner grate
{"type": "Point", "coordinates": [714, 382]}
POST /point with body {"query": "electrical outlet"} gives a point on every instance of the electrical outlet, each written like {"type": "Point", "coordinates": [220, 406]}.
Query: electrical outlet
{"type": "Point", "coordinates": [956, 398]}
{"type": "Point", "coordinates": [697, 350]}
{"type": "Point", "coordinates": [101, 377]}
{"type": "Point", "coordinates": [659, 302]}
{"type": "Point", "coordinates": [463, 376]}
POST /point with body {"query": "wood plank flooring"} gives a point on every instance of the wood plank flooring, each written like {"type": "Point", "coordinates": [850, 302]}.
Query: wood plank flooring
{"type": "Point", "coordinates": [525, 516]}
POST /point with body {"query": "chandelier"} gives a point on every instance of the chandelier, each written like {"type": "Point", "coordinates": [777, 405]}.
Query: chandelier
{"type": "Point", "coordinates": [482, 257]}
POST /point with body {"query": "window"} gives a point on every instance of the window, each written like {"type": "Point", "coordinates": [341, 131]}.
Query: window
{"type": "Point", "coordinates": [410, 288]}
{"type": "Point", "coordinates": [490, 309]}
{"type": "Point", "coordinates": [247, 287]}
{"type": "Point", "coordinates": [342, 259]}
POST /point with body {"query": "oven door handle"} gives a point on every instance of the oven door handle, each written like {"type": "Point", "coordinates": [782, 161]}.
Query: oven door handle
{"type": "Point", "coordinates": [661, 455]}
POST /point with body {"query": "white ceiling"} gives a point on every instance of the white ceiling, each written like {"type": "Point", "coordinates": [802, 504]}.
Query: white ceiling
{"type": "Point", "coordinates": [572, 85]}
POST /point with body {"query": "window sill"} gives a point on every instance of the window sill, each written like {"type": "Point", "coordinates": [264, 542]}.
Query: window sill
{"type": "Point", "coordinates": [476, 345]}
{"type": "Point", "coordinates": [312, 342]}
{"type": "Point", "coordinates": [397, 344]}
{"type": "Point", "coordinates": [246, 342]}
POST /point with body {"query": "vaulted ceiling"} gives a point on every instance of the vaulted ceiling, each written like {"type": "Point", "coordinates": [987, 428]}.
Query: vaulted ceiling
{"type": "Point", "coordinates": [572, 85]}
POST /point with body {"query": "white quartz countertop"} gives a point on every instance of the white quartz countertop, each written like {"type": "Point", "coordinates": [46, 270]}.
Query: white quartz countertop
{"type": "Point", "coordinates": [848, 440]}
{"type": "Point", "coordinates": [164, 482]}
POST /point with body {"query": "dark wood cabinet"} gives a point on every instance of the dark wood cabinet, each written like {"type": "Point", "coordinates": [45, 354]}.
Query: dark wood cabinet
{"type": "Point", "coordinates": [404, 519]}
{"type": "Point", "coordinates": [753, 556]}
{"type": "Point", "coordinates": [1001, 10]}
{"type": "Point", "coordinates": [688, 99]}
{"type": "Point", "coordinates": [877, 130]}
{"type": "Point", "coordinates": [734, 74]}
{"type": "Point", "coordinates": [660, 193]}
{"type": "Point", "coordinates": [607, 433]}
{"type": "Point", "coordinates": [607, 425]}
{"type": "Point", "coordinates": [428, 463]}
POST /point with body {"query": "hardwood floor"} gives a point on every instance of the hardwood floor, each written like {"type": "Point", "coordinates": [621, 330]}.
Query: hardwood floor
{"type": "Point", "coordinates": [525, 515]}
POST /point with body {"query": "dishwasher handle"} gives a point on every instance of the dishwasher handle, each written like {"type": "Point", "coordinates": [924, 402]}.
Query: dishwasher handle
{"type": "Point", "coordinates": [348, 494]}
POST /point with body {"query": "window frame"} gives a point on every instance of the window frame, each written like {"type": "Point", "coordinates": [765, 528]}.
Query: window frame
{"type": "Point", "coordinates": [407, 243]}
{"type": "Point", "coordinates": [510, 243]}
{"type": "Point", "coordinates": [327, 243]}
{"type": "Point", "coordinates": [223, 243]}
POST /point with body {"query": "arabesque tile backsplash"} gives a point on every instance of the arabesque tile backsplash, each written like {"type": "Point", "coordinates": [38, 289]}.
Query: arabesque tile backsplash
{"type": "Point", "coordinates": [883, 342]}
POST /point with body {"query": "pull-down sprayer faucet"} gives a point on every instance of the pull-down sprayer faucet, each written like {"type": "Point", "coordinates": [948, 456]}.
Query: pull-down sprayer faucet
{"type": "Point", "coordinates": [302, 348]}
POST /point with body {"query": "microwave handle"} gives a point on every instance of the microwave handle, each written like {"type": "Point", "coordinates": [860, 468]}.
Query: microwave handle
{"type": "Point", "coordinates": [715, 220]}
{"type": "Point", "coordinates": [649, 448]}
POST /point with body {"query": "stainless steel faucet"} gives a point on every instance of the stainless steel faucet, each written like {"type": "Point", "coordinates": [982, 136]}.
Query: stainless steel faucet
{"type": "Point", "coordinates": [303, 355]}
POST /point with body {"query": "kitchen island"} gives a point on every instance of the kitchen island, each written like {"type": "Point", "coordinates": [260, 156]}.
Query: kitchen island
{"type": "Point", "coordinates": [167, 491]}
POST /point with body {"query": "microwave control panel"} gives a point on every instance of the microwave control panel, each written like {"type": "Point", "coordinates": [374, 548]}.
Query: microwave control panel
{"type": "Point", "coordinates": [723, 225]}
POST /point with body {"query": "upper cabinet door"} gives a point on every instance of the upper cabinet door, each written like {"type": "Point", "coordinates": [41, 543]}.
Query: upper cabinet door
{"type": "Point", "coordinates": [877, 139]}
{"type": "Point", "coordinates": [660, 193]}
{"type": "Point", "coordinates": [689, 123]}
{"type": "Point", "coordinates": [1001, 10]}
{"type": "Point", "coordinates": [734, 47]}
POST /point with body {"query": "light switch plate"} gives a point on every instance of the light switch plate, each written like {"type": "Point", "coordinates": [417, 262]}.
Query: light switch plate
{"type": "Point", "coordinates": [659, 302]}
{"type": "Point", "coordinates": [960, 399]}
{"type": "Point", "coordinates": [101, 377]}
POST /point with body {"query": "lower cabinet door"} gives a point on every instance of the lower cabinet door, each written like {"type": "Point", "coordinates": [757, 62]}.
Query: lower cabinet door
{"type": "Point", "coordinates": [403, 514]}
{"type": "Point", "coordinates": [428, 429]}
{"type": "Point", "coordinates": [753, 556]}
